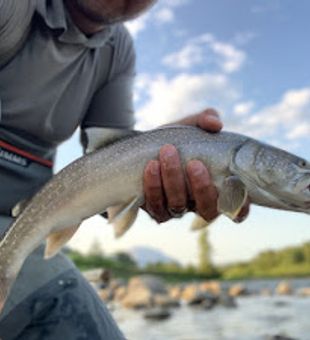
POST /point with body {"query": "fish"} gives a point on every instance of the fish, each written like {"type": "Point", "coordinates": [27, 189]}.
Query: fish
{"type": "Point", "coordinates": [110, 180]}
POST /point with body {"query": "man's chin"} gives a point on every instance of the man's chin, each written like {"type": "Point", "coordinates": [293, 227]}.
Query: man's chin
{"type": "Point", "coordinates": [94, 16]}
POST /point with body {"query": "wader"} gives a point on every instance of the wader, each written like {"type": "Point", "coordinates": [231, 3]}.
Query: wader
{"type": "Point", "coordinates": [50, 299]}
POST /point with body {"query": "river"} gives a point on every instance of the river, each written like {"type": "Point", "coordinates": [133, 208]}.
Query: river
{"type": "Point", "coordinates": [256, 317]}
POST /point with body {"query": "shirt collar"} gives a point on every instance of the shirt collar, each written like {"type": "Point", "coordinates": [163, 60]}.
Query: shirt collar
{"type": "Point", "coordinates": [56, 16]}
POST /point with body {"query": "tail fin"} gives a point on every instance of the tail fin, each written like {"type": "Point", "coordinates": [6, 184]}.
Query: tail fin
{"type": "Point", "coordinates": [6, 284]}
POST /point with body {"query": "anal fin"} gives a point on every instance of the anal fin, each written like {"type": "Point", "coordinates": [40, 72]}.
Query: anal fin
{"type": "Point", "coordinates": [124, 215]}
{"type": "Point", "coordinates": [57, 239]}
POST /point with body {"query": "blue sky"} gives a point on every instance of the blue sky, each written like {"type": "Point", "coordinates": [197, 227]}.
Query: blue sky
{"type": "Point", "coordinates": [248, 59]}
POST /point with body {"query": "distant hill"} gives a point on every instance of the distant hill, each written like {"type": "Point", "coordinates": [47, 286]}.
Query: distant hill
{"type": "Point", "coordinates": [146, 255]}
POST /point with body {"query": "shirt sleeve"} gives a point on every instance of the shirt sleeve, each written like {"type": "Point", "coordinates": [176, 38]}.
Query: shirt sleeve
{"type": "Point", "coordinates": [112, 104]}
{"type": "Point", "coordinates": [15, 18]}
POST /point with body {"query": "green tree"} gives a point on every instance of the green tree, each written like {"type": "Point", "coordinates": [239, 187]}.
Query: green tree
{"type": "Point", "coordinates": [95, 249]}
{"type": "Point", "coordinates": [125, 259]}
{"type": "Point", "coordinates": [306, 252]}
{"type": "Point", "coordinates": [204, 264]}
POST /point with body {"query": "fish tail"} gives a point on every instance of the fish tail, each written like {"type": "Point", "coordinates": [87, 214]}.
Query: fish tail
{"type": "Point", "coordinates": [5, 287]}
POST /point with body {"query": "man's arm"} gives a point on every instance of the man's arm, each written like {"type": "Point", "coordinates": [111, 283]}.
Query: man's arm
{"type": "Point", "coordinates": [166, 191]}
{"type": "Point", "coordinates": [15, 18]}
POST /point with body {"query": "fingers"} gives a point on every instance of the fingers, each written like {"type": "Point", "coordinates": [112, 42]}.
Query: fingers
{"type": "Point", "coordinates": [164, 185]}
{"type": "Point", "coordinates": [203, 191]}
{"type": "Point", "coordinates": [208, 120]}
{"type": "Point", "coordinates": [173, 179]}
{"type": "Point", "coordinates": [155, 202]}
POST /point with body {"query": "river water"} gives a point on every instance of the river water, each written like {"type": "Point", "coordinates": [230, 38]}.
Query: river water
{"type": "Point", "coordinates": [256, 317]}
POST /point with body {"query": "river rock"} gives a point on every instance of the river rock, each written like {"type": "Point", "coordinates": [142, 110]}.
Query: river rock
{"type": "Point", "coordinates": [157, 313]}
{"type": "Point", "coordinates": [175, 292]}
{"type": "Point", "coordinates": [227, 301]}
{"type": "Point", "coordinates": [279, 337]}
{"type": "Point", "coordinates": [284, 288]}
{"type": "Point", "coordinates": [117, 283]}
{"type": "Point", "coordinates": [142, 291]}
{"type": "Point", "coordinates": [197, 299]}
{"type": "Point", "coordinates": [138, 298]}
{"type": "Point", "coordinates": [190, 292]}
{"type": "Point", "coordinates": [213, 287]}
{"type": "Point", "coordinates": [209, 302]}
{"type": "Point", "coordinates": [120, 293]}
{"type": "Point", "coordinates": [304, 292]}
{"type": "Point", "coordinates": [106, 294]}
{"type": "Point", "coordinates": [164, 300]}
{"type": "Point", "coordinates": [152, 283]}
{"type": "Point", "coordinates": [238, 290]}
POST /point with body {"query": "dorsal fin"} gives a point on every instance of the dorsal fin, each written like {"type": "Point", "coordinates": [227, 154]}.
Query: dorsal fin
{"type": "Point", "coordinates": [95, 138]}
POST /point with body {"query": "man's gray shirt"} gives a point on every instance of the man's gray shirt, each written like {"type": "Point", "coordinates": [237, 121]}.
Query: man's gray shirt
{"type": "Point", "coordinates": [54, 79]}
{"type": "Point", "coordinates": [59, 79]}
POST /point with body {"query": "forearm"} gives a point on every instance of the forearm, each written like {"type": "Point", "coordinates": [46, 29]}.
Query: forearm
{"type": "Point", "coordinates": [15, 18]}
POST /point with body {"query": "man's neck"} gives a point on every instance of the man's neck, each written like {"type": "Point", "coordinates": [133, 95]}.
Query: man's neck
{"type": "Point", "coordinates": [83, 23]}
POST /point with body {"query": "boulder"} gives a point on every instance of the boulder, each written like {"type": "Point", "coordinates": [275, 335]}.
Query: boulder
{"type": "Point", "coordinates": [227, 301]}
{"type": "Point", "coordinates": [284, 288]}
{"type": "Point", "coordinates": [164, 300]}
{"type": "Point", "coordinates": [105, 294]}
{"type": "Point", "coordinates": [175, 292]}
{"type": "Point", "coordinates": [238, 290]}
{"type": "Point", "coordinates": [304, 292]}
{"type": "Point", "coordinates": [149, 282]}
{"type": "Point", "coordinates": [213, 287]}
{"type": "Point", "coordinates": [157, 313]}
{"type": "Point", "coordinates": [143, 291]}
{"type": "Point", "coordinates": [138, 298]}
{"type": "Point", "coordinates": [120, 293]}
{"type": "Point", "coordinates": [190, 292]}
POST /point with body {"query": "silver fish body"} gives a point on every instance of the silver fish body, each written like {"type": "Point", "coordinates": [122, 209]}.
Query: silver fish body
{"type": "Point", "coordinates": [111, 178]}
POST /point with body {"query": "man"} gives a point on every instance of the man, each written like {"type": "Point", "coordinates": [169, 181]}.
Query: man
{"type": "Point", "coordinates": [64, 64]}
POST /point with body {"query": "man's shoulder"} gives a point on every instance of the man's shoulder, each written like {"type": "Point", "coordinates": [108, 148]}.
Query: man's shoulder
{"type": "Point", "coordinates": [122, 38]}
{"type": "Point", "coordinates": [124, 50]}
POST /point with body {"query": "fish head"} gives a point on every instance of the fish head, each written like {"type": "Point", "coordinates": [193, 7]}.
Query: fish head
{"type": "Point", "coordinates": [285, 176]}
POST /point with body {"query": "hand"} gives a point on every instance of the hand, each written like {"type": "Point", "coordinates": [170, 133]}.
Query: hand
{"type": "Point", "coordinates": [166, 193]}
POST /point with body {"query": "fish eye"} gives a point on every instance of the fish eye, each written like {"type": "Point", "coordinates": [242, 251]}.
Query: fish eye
{"type": "Point", "coordinates": [302, 163]}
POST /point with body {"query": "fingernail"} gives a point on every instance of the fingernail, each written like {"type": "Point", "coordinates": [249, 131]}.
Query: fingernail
{"type": "Point", "coordinates": [213, 120]}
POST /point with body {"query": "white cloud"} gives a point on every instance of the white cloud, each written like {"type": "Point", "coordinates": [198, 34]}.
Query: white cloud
{"type": "Point", "coordinates": [206, 47]}
{"type": "Point", "coordinates": [243, 108]}
{"type": "Point", "coordinates": [160, 14]}
{"type": "Point", "coordinates": [232, 58]}
{"type": "Point", "coordinates": [164, 15]}
{"type": "Point", "coordinates": [138, 25]}
{"type": "Point", "coordinates": [186, 58]}
{"type": "Point", "coordinates": [172, 99]}
{"type": "Point", "coordinates": [284, 122]}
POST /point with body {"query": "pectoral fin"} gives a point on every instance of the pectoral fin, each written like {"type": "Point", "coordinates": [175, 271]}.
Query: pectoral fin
{"type": "Point", "coordinates": [123, 216]}
{"type": "Point", "coordinates": [232, 197]}
{"type": "Point", "coordinates": [57, 239]}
